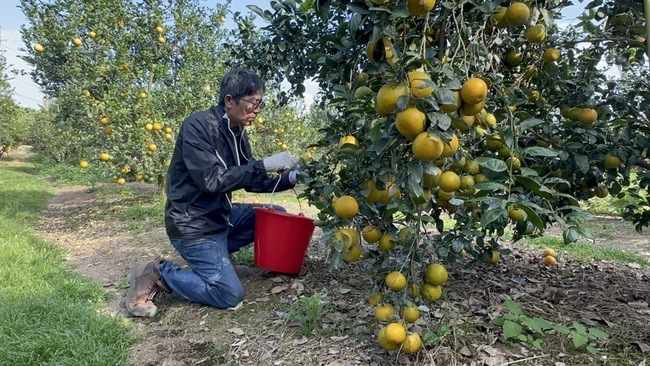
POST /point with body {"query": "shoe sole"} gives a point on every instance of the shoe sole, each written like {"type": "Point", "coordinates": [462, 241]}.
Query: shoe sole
{"type": "Point", "coordinates": [146, 312]}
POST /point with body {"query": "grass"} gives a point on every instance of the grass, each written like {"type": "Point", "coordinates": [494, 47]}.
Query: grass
{"type": "Point", "coordinates": [585, 252]}
{"type": "Point", "coordinates": [67, 173]}
{"type": "Point", "coordinates": [50, 316]}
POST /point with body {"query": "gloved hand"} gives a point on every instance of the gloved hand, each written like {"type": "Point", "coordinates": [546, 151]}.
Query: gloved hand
{"type": "Point", "coordinates": [293, 175]}
{"type": "Point", "coordinates": [280, 162]}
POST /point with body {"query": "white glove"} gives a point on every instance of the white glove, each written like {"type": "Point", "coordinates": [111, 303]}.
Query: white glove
{"type": "Point", "coordinates": [293, 175]}
{"type": "Point", "coordinates": [280, 162]}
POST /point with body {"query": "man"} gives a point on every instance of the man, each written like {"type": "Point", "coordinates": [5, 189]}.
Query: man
{"type": "Point", "coordinates": [212, 158]}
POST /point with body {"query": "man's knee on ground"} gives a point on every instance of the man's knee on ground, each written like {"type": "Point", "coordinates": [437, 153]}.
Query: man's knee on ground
{"type": "Point", "coordinates": [228, 296]}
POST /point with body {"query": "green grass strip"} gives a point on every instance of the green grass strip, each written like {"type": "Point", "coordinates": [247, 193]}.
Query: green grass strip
{"type": "Point", "coordinates": [49, 316]}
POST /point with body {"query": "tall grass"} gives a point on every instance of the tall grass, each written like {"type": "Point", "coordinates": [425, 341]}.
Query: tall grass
{"type": "Point", "coordinates": [49, 316]}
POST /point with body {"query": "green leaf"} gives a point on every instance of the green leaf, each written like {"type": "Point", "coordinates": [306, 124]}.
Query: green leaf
{"type": "Point", "coordinates": [537, 343]}
{"type": "Point", "coordinates": [582, 162]}
{"type": "Point", "coordinates": [490, 186]}
{"type": "Point", "coordinates": [532, 215]}
{"type": "Point", "coordinates": [540, 151]}
{"type": "Point", "coordinates": [580, 328]}
{"type": "Point", "coordinates": [442, 120]}
{"type": "Point", "coordinates": [597, 333]}
{"type": "Point", "coordinates": [513, 307]}
{"type": "Point", "coordinates": [492, 215]}
{"type": "Point", "coordinates": [511, 329]}
{"type": "Point", "coordinates": [570, 235]}
{"type": "Point", "coordinates": [493, 164]}
{"type": "Point", "coordinates": [538, 324]}
{"type": "Point", "coordinates": [531, 122]}
{"type": "Point", "coordinates": [445, 96]}
{"type": "Point", "coordinates": [562, 329]}
{"type": "Point", "coordinates": [591, 349]}
{"type": "Point", "coordinates": [579, 340]}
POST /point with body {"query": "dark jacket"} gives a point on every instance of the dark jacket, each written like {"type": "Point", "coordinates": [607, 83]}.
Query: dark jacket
{"type": "Point", "coordinates": [209, 162]}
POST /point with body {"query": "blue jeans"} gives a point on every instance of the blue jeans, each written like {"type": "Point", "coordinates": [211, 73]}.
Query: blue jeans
{"type": "Point", "coordinates": [212, 279]}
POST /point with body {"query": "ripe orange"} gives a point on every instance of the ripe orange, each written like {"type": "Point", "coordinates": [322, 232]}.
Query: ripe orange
{"type": "Point", "coordinates": [431, 292]}
{"type": "Point", "coordinates": [104, 157]}
{"type": "Point", "coordinates": [437, 274]}
{"type": "Point", "coordinates": [495, 258]}
{"type": "Point", "coordinates": [410, 122]}
{"type": "Point", "coordinates": [549, 260]}
{"type": "Point", "coordinates": [396, 281]}
{"type": "Point", "coordinates": [551, 54]}
{"type": "Point", "coordinates": [152, 147]}
{"type": "Point", "coordinates": [410, 313]}
{"type": "Point", "coordinates": [384, 312]}
{"type": "Point", "coordinates": [498, 17]}
{"type": "Point", "coordinates": [420, 7]}
{"type": "Point", "coordinates": [472, 109]}
{"type": "Point", "coordinates": [148, 127]}
{"type": "Point", "coordinates": [159, 29]}
{"type": "Point", "coordinates": [388, 95]}
{"type": "Point", "coordinates": [449, 108]}
{"type": "Point", "coordinates": [162, 40]}
{"type": "Point", "coordinates": [549, 252]}
{"type": "Point", "coordinates": [371, 233]}
{"type": "Point", "coordinates": [352, 254]}
{"type": "Point", "coordinates": [471, 167]}
{"type": "Point", "coordinates": [143, 95]}
{"type": "Point", "coordinates": [383, 341]}
{"type": "Point", "coordinates": [39, 48]}
{"type": "Point", "coordinates": [427, 147]}
{"type": "Point", "coordinates": [387, 242]}
{"type": "Point", "coordinates": [535, 33]}
{"type": "Point", "coordinates": [77, 42]}
{"type": "Point", "coordinates": [431, 180]}
{"type": "Point", "coordinates": [601, 191]}
{"type": "Point", "coordinates": [474, 91]}
{"type": "Point", "coordinates": [515, 214]}
{"type": "Point", "coordinates": [514, 58]}
{"type": "Point", "coordinates": [419, 86]}
{"type": "Point", "coordinates": [348, 237]}
{"type": "Point", "coordinates": [588, 116]}
{"type": "Point", "coordinates": [449, 181]}
{"type": "Point", "coordinates": [395, 333]}
{"type": "Point", "coordinates": [376, 298]}
{"type": "Point", "coordinates": [121, 181]}
{"type": "Point", "coordinates": [83, 164]}
{"type": "Point", "coordinates": [92, 34]}
{"type": "Point", "coordinates": [104, 120]}
{"type": "Point", "coordinates": [412, 343]}
{"type": "Point", "coordinates": [517, 14]}
{"type": "Point", "coordinates": [351, 140]}
{"type": "Point", "coordinates": [346, 207]}
{"type": "Point", "coordinates": [450, 147]}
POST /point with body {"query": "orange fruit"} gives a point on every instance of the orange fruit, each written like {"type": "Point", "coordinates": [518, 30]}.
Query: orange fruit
{"type": "Point", "coordinates": [450, 147]}
{"type": "Point", "coordinates": [495, 258]}
{"type": "Point", "coordinates": [375, 298]}
{"type": "Point", "coordinates": [396, 281]}
{"type": "Point", "coordinates": [551, 54]}
{"type": "Point", "coordinates": [104, 157]}
{"type": "Point", "coordinates": [77, 42]}
{"type": "Point", "coordinates": [474, 91]}
{"type": "Point", "coordinates": [388, 95]}
{"type": "Point", "coordinates": [83, 164]}
{"type": "Point", "coordinates": [346, 207]}
{"type": "Point", "coordinates": [437, 274]}
{"type": "Point", "coordinates": [420, 7]}
{"type": "Point", "coordinates": [121, 181]}
{"type": "Point", "coordinates": [612, 161]}
{"type": "Point", "coordinates": [412, 343]}
{"type": "Point", "coordinates": [427, 147]}
{"type": "Point", "coordinates": [348, 236]}
{"type": "Point", "coordinates": [418, 82]}
{"type": "Point", "coordinates": [431, 292]}
{"type": "Point", "coordinates": [449, 108]}
{"type": "Point", "coordinates": [549, 252]}
{"type": "Point", "coordinates": [371, 233]}
{"type": "Point", "coordinates": [384, 312]}
{"type": "Point", "coordinates": [410, 122]}
{"type": "Point", "coordinates": [152, 147]}
{"type": "Point", "coordinates": [517, 14]}
{"type": "Point", "coordinates": [383, 341]}
{"type": "Point", "coordinates": [588, 116]}
{"type": "Point", "coordinates": [387, 242]}
{"type": "Point", "coordinates": [395, 333]}
{"type": "Point", "coordinates": [410, 313]}
{"type": "Point", "coordinates": [39, 48]}
{"type": "Point", "coordinates": [515, 214]}
{"type": "Point", "coordinates": [352, 254]}
{"type": "Point", "coordinates": [549, 260]}
{"type": "Point", "coordinates": [351, 140]}
{"type": "Point", "coordinates": [535, 33]}
{"type": "Point", "coordinates": [449, 181]}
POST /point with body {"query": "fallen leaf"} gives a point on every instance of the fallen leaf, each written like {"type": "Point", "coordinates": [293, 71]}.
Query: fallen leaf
{"type": "Point", "coordinates": [300, 341]}
{"type": "Point", "coordinates": [276, 279]}
{"type": "Point", "coordinates": [344, 290]}
{"type": "Point", "coordinates": [278, 289]}
{"type": "Point", "coordinates": [298, 287]}
{"type": "Point", "coordinates": [237, 331]}
{"type": "Point", "coordinates": [465, 351]}
{"type": "Point", "coordinates": [645, 348]}
{"type": "Point", "coordinates": [335, 338]}
{"type": "Point", "coordinates": [638, 304]}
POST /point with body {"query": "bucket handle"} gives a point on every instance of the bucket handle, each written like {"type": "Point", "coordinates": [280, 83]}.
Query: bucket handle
{"type": "Point", "coordinates": [294, 191]}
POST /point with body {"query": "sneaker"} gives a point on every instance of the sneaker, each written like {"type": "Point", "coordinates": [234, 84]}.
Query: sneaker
{"type": "Point", "coordinates": [146, 283]}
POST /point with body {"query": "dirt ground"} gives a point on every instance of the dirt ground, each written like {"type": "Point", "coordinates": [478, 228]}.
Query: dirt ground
{"type": "Point", "coordinates": [611, 297]}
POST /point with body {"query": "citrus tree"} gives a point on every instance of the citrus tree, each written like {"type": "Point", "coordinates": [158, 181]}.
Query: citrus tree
{"type": "Point", "coordinates": [9, 134]}
{"type": "Point", "coordinates": [123, 75]}
{"type": "Point", "coordinates": [483, 112]}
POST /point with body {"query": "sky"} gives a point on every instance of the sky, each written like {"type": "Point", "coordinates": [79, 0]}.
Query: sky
{"type": "Point", "coordinates": [28, 94]}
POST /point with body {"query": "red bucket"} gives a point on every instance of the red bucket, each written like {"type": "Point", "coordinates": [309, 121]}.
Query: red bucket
{"type": "Point", "coordinates": [281, 240]}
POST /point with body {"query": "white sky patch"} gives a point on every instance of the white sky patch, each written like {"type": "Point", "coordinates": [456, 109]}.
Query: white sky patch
{"type": "Point", "coordinates": [26, 92]}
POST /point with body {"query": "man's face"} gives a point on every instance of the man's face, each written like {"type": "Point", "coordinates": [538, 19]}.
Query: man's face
{"type": "Point", "coordinates": [242, 111]}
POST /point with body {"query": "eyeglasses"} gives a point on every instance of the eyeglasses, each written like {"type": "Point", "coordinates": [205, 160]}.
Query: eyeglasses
{"type": "Point", "coordinates": [255, 105]}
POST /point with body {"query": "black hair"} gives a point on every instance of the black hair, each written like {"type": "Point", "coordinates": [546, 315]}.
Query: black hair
{"type": "Point", "coordinates": [240, 83]}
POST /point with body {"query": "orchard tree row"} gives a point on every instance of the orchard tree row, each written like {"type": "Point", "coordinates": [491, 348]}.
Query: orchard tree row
{"type": "Point", "coordinates": [488, 113]}
{"type": "Point", "coordinates": [123, 75]}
